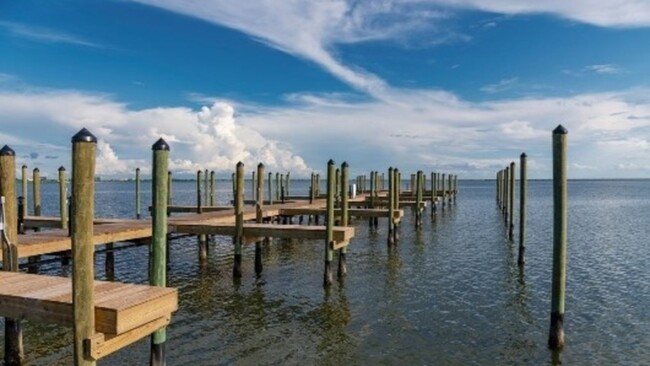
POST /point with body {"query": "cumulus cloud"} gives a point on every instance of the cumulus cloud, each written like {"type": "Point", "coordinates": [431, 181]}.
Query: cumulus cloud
{"type": "Point", "coordinates": [209, 138]}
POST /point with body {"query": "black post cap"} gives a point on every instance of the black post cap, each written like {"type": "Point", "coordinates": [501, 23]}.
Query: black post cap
{"type": "Point", "coordinates": [7, 151]}
{"type": "Point", "coordinates": [240, 164]}
{"type": "Point", "coordinates": [260, 165]}
{"type": "Point", "coordinates": [523, 155]}
{"type": "Point", "coordinates": [24, 166]}
{"type": "Point", "coordinates": [137, 169]}
{"type": "Point", "coordinates": [61, 168]}
{"type": "Point", "coordinates": [345, 164]}
{"type": "Point", "coordinates": [161, 144]}
{"type": "Point", "coordinates": [84, 136]}
{"type": "Point", "coordinates": [560, 130]}
{"type": "Point", "coordinates": [331, 162]}
{"type": "Point", "coordinates": [37, 170]}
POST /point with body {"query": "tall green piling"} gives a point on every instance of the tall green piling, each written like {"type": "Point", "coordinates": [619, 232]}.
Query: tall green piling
{"type": "Point", "coordinates": [239, 219]}
{"type": "Point", "coordinates": [83, 273]}
{"type": "Point", "coordinates": [259, 216]}
{"type": "Point", "coordinates": [206, 191]}
{"type": "Point", "coordinates": [158, 276]}
{"type": "Point", "coordinates": [24, 184]}
{"type": "Point", "coordinates": [523, 192]}
{"type": "Point", "coordinates": [288, 183]}
{"type": "Point", "coordinates": [270, 188]}
{"type": "Point", "coordinates": [556, 333]}
{"type": "Point", "coordinates": [343, 269]}
{"type": "Point", "coordinates": [329, 236]}
{"type": "Point", "coordinates": [444, 191]}
{"type": "Point", "coordinates": [277, 186]}
{"type": "Point", "coordinates": [137, 193]}
{"type": "Point", "coordinates": [253, 187]}
{"type": "Point", "coordinates": [36, 187]}
{"type": "Point", "coordinates": [418, 199]}
{"type": "Point", "coordinates": [13, 347]}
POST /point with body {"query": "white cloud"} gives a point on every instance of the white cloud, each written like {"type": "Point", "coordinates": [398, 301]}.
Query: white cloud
{"type": "Point", "coordinates": [46, 35]}
{"type": "Point", "coordinates": [208, 139]}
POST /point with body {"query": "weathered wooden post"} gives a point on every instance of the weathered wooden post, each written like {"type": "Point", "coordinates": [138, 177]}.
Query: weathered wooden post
{"type": "Point", "coordinates": [288, 183]}
{"type": "Point", "coordinates": [523, 188]}
{"type": "Point", "coordinates": [372, 195]}
{"type": "Point", "coordinates": [450, 193]}
{"type": "Point", "coordinates": [398, 190]}
{"type": "Point", "coordinates": [63, 209]}
{"type": "Point", "coordinates": [83, 249]}
{"type": "Point", "coordinates": [239, 219]}
{"type": "Point", "coordinates": [36, 186]}
{"type": "Point", "coordinates": [506, 194]}
{"type": "Point", "coordinates": [455, 187]}
{"type": "Point", "coordinates": [158, 276]}
{"type": "Point", "coordinates": [212, 187]}
{"type": "Point", "coordinates": [444, 191]}
{"type": "Point", "coordinates": [511, 201]}
{"type": "Point", "coordinates": [270, 188]}
{"type": "Point", "coordinates": [391, 206]}
{"type": "Point", "coordinates": [206, 191]}
{"type": "Point", "coordinates": [337, 189]}
{"type": "Point", "coordinates": [253, 187]}
{"type": "Point", "coordinates": [199, 209]}
{"type": "Point", "coordinates": [259, 216]}
{"type": "Point", "coordinates": [418, 199]}
{"type": "Point", "coordinates": [317, 184]}
{"type": "Point", "coordinates": [556, 334]}
{"type": "Point", "coordinates": [343, 269]}
{"type": "Point", "coordinates": [282, 188]}
{"type": "Point", "coordinates": [329, 237]}
{"type": "Point", "coordinates": [312, 188]}
{"type": "Point", "coordinates": [498, 183]}
{"type": "Point", "coordinates": [277, 186]}
{"type": "Point", "coordinates": [24, 188]}
{"type": "Point", "coordinates": [137, 193]}
{"type": "Point", "coordinates": [434, 194]}
{"type": "Point", "coordinates": [376, 184]}
{"type": "Point", "coordinates": [169, 191]}
{"type": "Point", "coordinates": [14, 354]}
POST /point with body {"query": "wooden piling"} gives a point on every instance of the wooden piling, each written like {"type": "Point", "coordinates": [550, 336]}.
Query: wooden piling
{"type": "Point", "coordinates": [434, 193]}
{"type": "Point", "coordinates": [506, 194]}
{"type": "Point", "coordinates": [413, 184]}
{"type": "Point", "coordinates": [288, 183]}
{"type": "Point", "coordinates": [312, 188]}
{"type": "Point", "coordinates": [36, 187]}
{"type": "Point", "coordinates": [444, 192]}
{"type": "Point", "coordinates": [398, 191]}
{"type": "Point", "coordinates": [277, 186]}
{"type": "Point", "coordinates": [137, 193]}
{"type": "Point", "coordinates": [498, 183]}
{"type": "Point", "coordinates": [212, 188]}
{"type": "Point", "coordinates": [205, 188]}
{"type": "Point", "coordinates": [158, 276]}
{"type": "Point", "coordinates": [556, 334]}
{"type": "Point", "coordinates": [63, 209]}
{"type": "Point", "coordinates": [83, 272]}
{"type": "Point", "coordinates": [511, 201]}
{"type": "Point", "coordinates": [259, 216]}
{"type": "Point", "coordinates": [329, 224]}
{"type": "Point", "coordinates": [343, 269]}
{"type": "Point", "coordinates": [270, 188]}
{"type": "Point", "coordinates": [451, 187]}
{"type": "Point", "coordinates": [253, 187]}
{"type": "Point", "coordinates": [24, 188]}
{"type": "Point", "coordinates": [391, 206]}
{"type": "Point", "coordinates": [199, 209]}
{"type": "Point", "coordinates": [523, 188]}
{"type": "Point", "coordinates": [239, 219]}
{"type": "Point", "coordinates": [13, 346]}
{"type": "Point", "coordinates": [418, 199]}
{"type": "Point", "coordinates": [372, 195]}
{"type": "Point", "coordinates": [282, 188]}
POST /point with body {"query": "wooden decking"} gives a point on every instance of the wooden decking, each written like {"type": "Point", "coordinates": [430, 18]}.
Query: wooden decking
{"type": "Point", "coordinates": [355, 212]}
{"type": "Point", "coordinates": [124, 312]}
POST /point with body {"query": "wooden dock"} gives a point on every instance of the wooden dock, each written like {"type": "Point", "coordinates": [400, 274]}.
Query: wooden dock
{"type": "Point", "coordinates": [124, 313]}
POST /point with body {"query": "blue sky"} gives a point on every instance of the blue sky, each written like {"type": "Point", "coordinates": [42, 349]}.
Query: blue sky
{"type": "Point", "coordinates": [462, 86]}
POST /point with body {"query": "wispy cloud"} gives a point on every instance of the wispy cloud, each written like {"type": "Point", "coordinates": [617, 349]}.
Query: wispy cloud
{"type": "Point", "coordinates": [500, 86]}
{"type": "Point", "coordinates": [46, 35]}
{"type": "Point", "coordinates": [607, 69]}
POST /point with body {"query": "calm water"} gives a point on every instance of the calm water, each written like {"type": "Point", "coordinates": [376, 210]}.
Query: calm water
{"type": "Point", "coordinates": [450, 294]}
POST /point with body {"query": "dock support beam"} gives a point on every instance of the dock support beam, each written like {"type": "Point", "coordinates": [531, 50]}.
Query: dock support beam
{"type": "Point", "coordinates": [239, 219]}
{"type": "Point", "coordinates": [329, 224]}
{"type": "Point", "coordinates": [24, 188]}
{"type": "Point", "coordinates": [158, 276]}
{"type": "Point", "coordinates": [83, 249]}
{"type": "Point", "coordinates": [558, 289]}
{"type": "Point", "coordinates": [36, 186]}
{"type": "Point", "coordinates": [418, 199]}
{"type": "Point", "coordinates": [212, 198]}
{"type": "Point", "coordinates": [391, 206]}
{"type": "Point", "coordinates": [14, 354]}
{"type": "Point", "coordinates": [511, 201]}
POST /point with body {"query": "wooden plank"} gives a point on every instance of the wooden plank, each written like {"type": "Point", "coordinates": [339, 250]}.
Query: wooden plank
{"type": "Point", "coordinates": [55, 221]}
{"type": "Point", "coordinates": [192, 209]}
{"type": "Point", "coordinates": [119, 307]}
{"type": "Point", "coordinates": [102, 345]}
{"type": "Point", "coordinates": [341, 233]}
